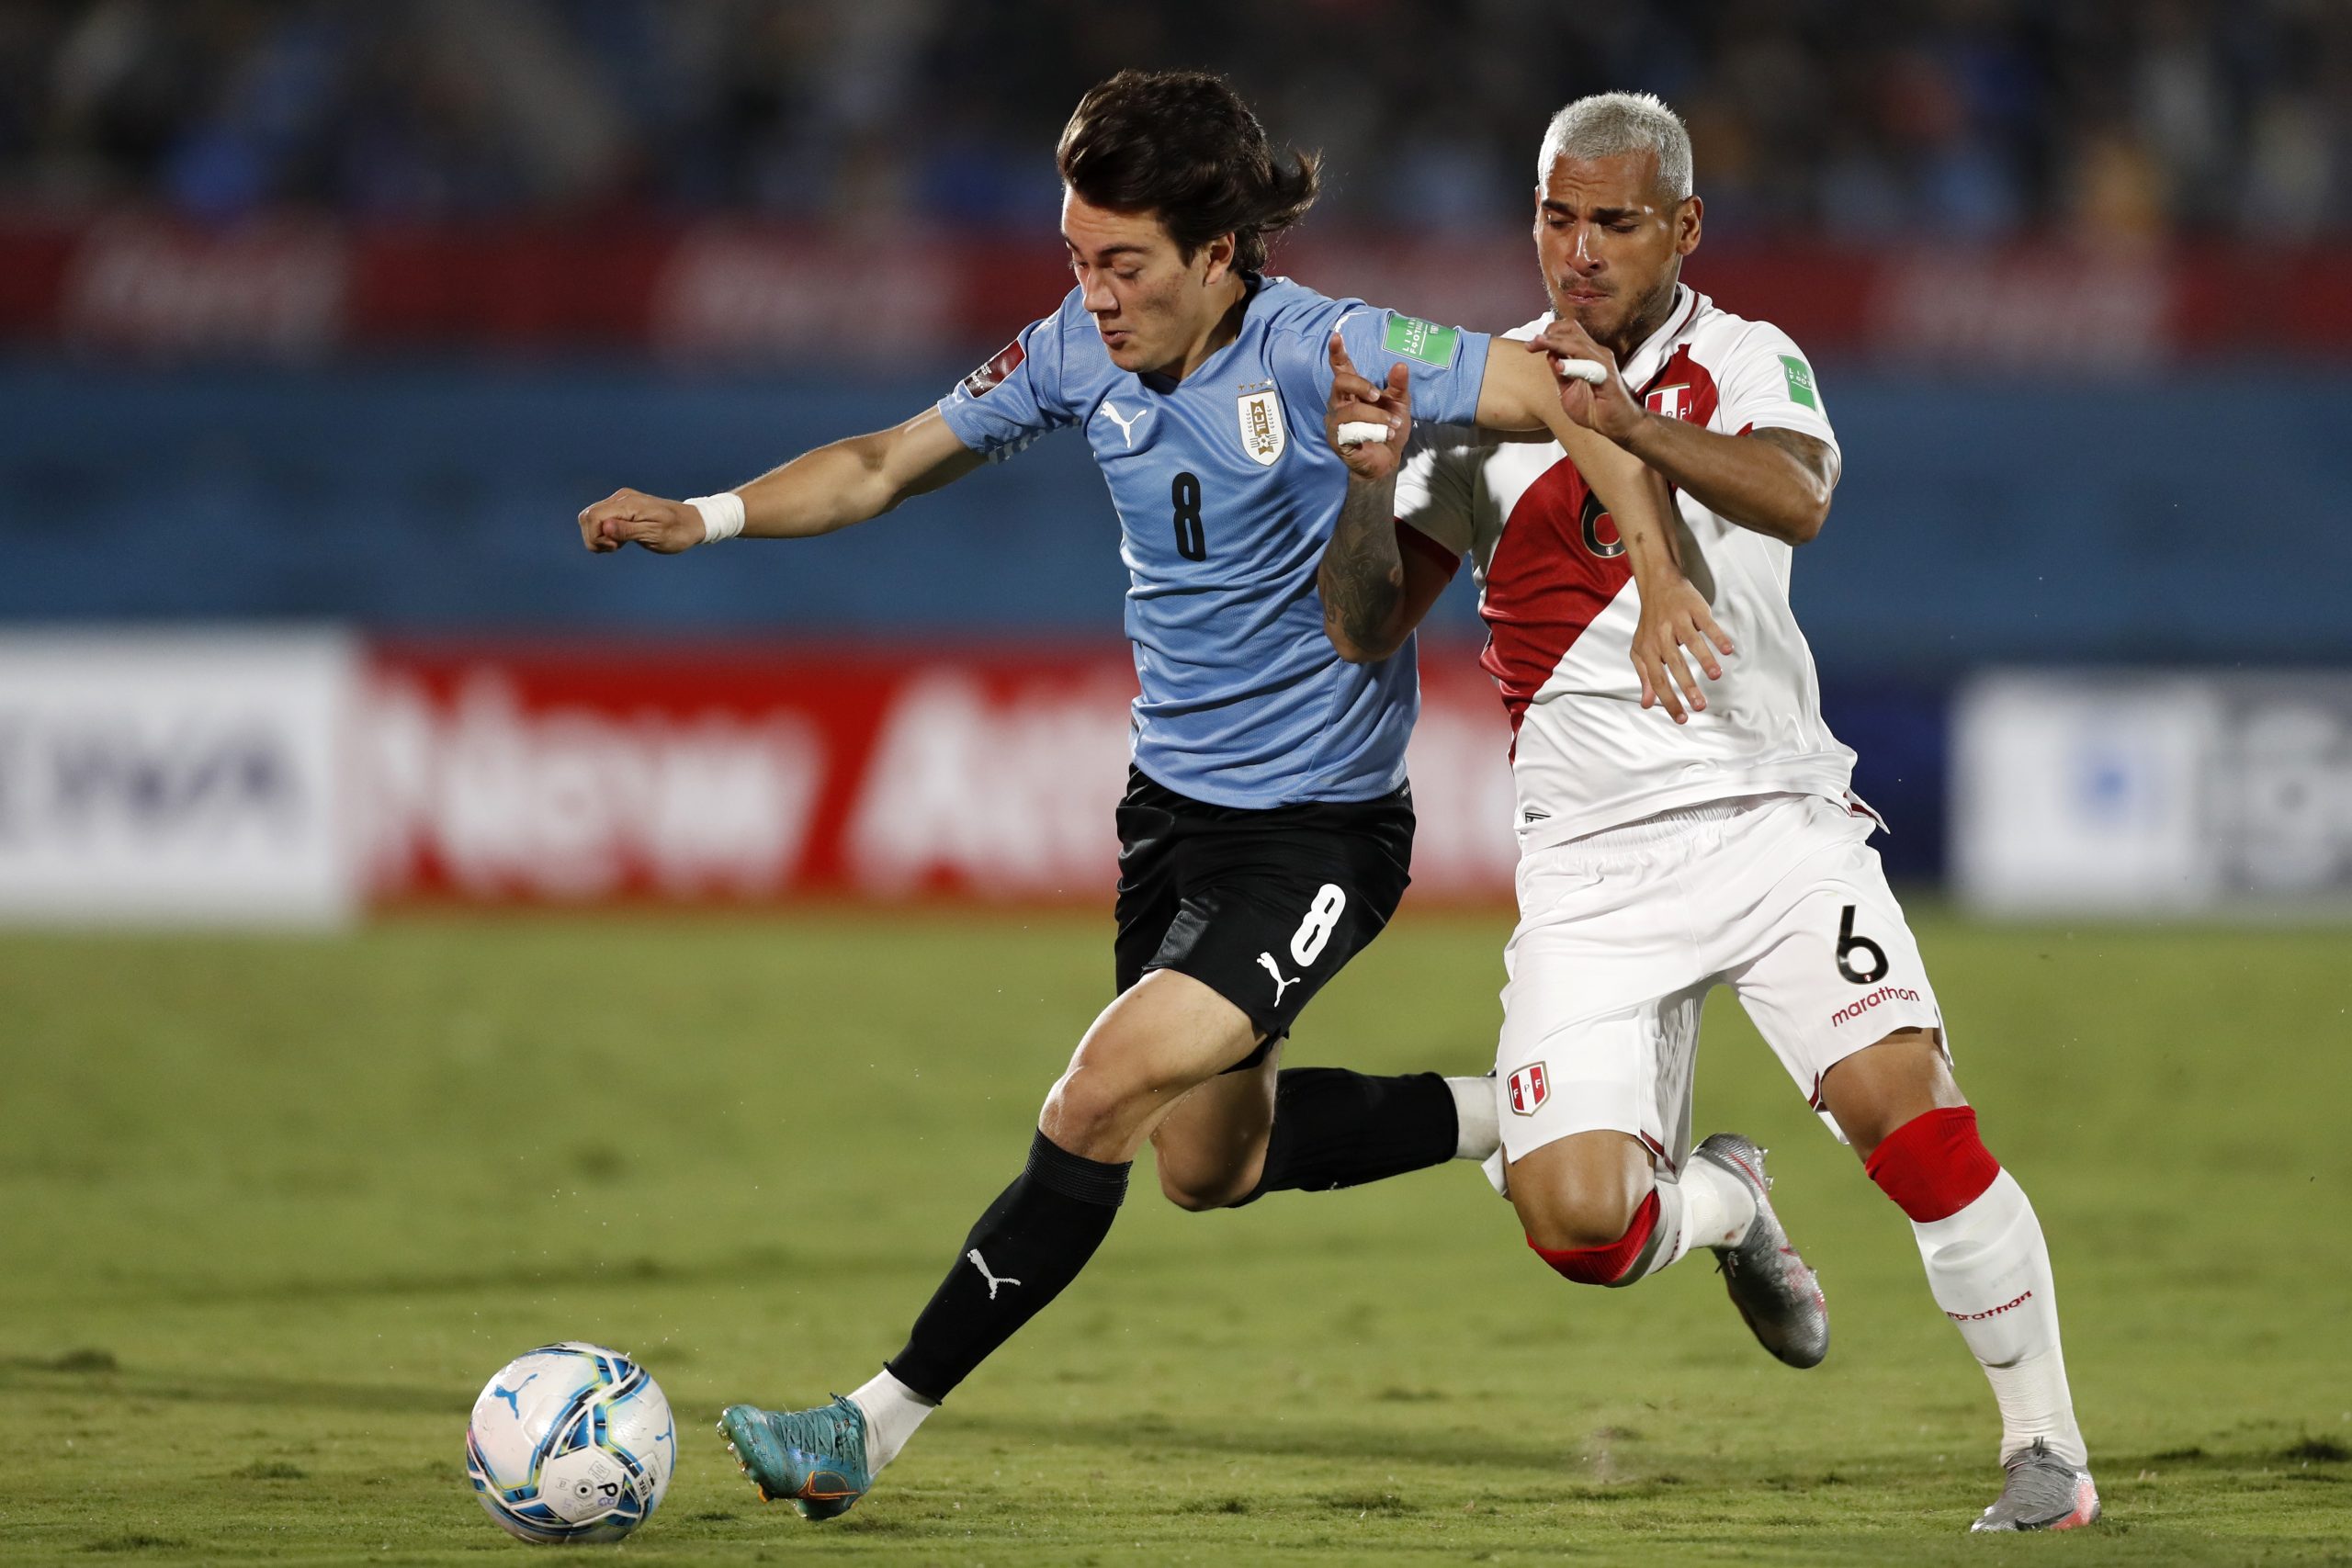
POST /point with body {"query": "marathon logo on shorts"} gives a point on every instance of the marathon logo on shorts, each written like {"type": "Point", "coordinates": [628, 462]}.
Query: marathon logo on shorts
{"type": "Point", "coordinates": [1990, 1312]}
{"type": "Point", "coordinates": [1530, 1087]}
{"type": "Point", "coordinates": [1008, 359]}
{"type": "Point", "coordinates": [1863, 1004]}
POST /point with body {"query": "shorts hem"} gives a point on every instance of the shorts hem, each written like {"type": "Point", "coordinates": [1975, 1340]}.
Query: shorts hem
{"type": "Point", "coordinates": [1648, 1137]}
{"type": "Point", "coordinates": [1883, 1023]}
{"type": "Point", "coordinates": [1271, 1028]}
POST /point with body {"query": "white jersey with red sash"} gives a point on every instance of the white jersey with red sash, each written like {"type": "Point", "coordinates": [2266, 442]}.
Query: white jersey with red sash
{"type": "Point", "coordinates": [1560, 606]}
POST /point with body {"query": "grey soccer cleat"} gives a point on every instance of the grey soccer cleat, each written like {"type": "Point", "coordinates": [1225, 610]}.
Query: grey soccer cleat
{"type": "Point", "coordinates": [2044, 1493]}
{"type": "Point", "coordinates": [1778, 1296]}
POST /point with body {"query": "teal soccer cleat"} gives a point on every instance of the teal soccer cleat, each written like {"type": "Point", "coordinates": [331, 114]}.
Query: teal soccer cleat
{"type": "Point", "coordinates": [814, 1459]}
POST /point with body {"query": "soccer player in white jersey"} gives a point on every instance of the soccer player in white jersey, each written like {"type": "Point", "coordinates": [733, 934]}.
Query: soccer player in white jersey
{"type": "Point", "coordinates": [1267, 827]}
{"type": "Point", "coordinates": [1661, 859]}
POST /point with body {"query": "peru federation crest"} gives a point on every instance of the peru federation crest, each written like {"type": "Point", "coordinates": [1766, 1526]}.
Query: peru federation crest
{"type": "Point", "coordinates": [1530, 1087]}
{"type": "Point", "coordinates": [1262, 433]}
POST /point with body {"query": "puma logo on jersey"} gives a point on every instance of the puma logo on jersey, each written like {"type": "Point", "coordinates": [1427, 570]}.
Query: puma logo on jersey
{"type": "Point", "coordinates": [981, 1263]}
{"type": "Point", "coordinates": [1266, 962]}
{"type": "Point", "coordinates": [1126, 427]}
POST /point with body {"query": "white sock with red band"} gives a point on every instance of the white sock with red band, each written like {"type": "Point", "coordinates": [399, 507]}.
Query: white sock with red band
{"type": "Point", "coordinates": [1988, 1268]}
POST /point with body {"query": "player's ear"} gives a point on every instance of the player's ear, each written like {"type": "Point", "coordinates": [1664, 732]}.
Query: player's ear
{"type": "Point", "coordinates": [1219, 254]}
{"type": "Point", "coordinates": [1686, 225]}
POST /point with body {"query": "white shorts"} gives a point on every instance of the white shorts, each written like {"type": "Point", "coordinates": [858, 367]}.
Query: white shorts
{"type": "Point", "coordinates": [1622, 934]}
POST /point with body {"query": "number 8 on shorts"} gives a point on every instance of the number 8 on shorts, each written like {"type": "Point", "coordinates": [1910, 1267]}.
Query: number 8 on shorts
{"type": "Point", "coordinates": [1331, 902]}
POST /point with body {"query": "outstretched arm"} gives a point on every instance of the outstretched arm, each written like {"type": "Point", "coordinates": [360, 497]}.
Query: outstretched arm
{"type": "Point", "coordinates": [1521, 392]}
{"type": "Point", "coordinates": [816, 493]}
{"type": "Point", "coordinates": [1777, 482]}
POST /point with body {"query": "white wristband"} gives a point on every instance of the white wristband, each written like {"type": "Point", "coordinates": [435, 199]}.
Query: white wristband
{"type": "Point", "coordinates": [722, 515]}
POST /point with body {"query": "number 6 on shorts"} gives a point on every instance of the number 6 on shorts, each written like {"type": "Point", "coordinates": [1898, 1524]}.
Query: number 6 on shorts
{"type": "Point", "coordinates": [1306, 947]}
{"type": "Point", "coordinates": [1850, 944]}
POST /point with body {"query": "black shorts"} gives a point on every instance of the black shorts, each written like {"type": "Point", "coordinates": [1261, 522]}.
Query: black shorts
{"type": "Point", "coordinates": [1262, 907]}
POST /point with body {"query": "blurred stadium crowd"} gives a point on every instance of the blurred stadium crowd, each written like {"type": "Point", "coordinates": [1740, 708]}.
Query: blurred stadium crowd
{"type": "Point", "coordinates": [1854, 118]}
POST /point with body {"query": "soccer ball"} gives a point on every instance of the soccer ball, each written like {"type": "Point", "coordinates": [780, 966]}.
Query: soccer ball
{"type": "Point", "coordinates": [571, 1442]}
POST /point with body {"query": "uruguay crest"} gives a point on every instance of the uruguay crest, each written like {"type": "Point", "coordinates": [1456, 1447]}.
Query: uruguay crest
{"type": "Point", "coordinates": [1262, 433]}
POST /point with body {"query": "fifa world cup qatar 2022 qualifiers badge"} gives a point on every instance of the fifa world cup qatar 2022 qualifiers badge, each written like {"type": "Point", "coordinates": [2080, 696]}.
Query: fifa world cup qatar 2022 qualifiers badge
{"type": "Point", "coordinates": [1262, 436]}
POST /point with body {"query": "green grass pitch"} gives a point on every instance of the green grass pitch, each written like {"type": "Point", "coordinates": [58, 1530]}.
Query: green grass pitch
{"type": "Point", "coordinates": [274, 1209]}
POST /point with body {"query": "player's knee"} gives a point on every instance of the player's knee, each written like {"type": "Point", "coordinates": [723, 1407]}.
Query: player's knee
{"type": "Point", "coordinates": [1581, 1191]}
{"type": "Point", "coordinates": [1572, 1222]}
{"type": "Point", "coordinates": [1090, 1110]}
{"type": "Point", "coordinates": [1617, 1262]}
{"type": "Point", "coordinates": [1889, 1084]}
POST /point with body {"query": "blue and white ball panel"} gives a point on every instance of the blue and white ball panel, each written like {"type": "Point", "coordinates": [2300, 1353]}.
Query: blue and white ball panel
{"type": "Point", "coordinates": [571, 1442]}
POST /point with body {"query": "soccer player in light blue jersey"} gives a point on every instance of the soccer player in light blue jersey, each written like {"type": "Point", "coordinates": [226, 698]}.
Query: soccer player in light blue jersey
{"type": "Point", "coordinates": [1267, 828]}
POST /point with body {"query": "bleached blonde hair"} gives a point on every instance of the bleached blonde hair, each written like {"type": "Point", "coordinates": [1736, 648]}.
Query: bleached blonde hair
{"type": "Point", "coordinates": [1609, 125]}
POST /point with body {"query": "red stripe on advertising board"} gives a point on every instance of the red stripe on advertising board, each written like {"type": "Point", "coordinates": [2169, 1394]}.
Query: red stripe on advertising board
{"type": "Point", "coordinates": [739, 773]}
{"type": "Point", "coordinates": [141, 282]}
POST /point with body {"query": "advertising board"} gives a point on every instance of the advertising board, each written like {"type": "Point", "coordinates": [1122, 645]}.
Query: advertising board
{"type": "Point", "coordinates": [743, 774]}
{"type": "Point", "coordinates": [2153, 794]}
{"type": "Point", "coordinates": [177, 777]}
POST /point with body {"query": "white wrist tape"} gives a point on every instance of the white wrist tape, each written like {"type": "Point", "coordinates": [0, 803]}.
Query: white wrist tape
{"type": "Point", "coordinates": [722, 515]}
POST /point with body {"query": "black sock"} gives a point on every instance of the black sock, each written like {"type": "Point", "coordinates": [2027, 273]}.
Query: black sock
{"type": "Point", "coordinates": [1335, 1128]}
{"type": "Point", "coordinates": [1030, 1242]}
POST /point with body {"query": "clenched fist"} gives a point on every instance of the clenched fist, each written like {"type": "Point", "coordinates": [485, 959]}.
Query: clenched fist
{"type": "Point", "coordinates": [632, 517]}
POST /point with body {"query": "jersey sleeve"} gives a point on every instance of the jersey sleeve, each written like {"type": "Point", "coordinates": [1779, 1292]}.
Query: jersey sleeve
{"type": "Point", "coordinates": [1017, 395]}
{"type": "Point", "coordinates": [1767, 384]}
{"type": "Point", "coordinates": [1445, 364]}
{"type": "Point", "coordinates": [1433, 487]}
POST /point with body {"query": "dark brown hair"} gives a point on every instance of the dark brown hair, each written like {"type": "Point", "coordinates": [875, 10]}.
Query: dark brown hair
{"type": "Point", "coordinates": [1184, 145]}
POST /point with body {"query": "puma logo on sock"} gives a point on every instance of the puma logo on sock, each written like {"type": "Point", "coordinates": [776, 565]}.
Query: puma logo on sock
{"type": "Point", "coordinates": [981, 1263]}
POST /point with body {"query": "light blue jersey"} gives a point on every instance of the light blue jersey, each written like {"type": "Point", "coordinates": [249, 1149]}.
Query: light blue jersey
{"type": "Point", "coordinates": [1227, 492]}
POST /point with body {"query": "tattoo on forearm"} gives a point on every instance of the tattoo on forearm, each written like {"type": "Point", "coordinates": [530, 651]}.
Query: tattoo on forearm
{"type": "Point", "coordinates": [1362, 577]}
{"type": "Point", "coordinates": [1811, 452]}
